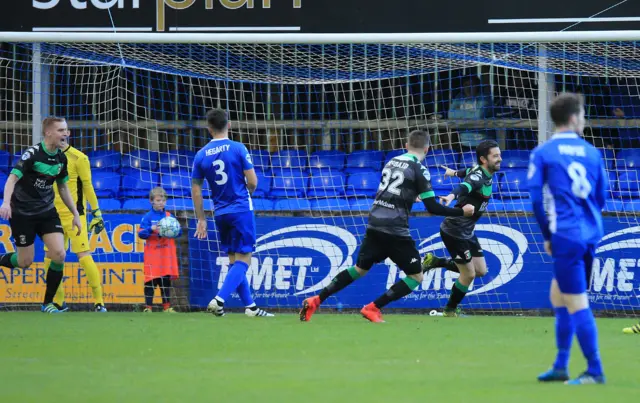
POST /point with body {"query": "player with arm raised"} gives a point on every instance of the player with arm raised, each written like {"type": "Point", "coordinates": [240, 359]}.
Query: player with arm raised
{"type": "Point", "coordinates": [458, 233]}
{"type": "Point", "coordinates": [29, 205]}
{"type": "Point", "coordinates": [82, 191]}
{"type": "Point", "coordinates": [567, 176]}
{"type": "Point", "coordinates": [403, 179]}
{"type": "Point", "coordinates": [227, 167]}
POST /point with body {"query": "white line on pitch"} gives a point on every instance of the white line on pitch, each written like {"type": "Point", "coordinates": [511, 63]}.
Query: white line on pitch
{"type": "Point", "coordinates": [92, 29]}
{"type": "Point", "coordinates": [214, 29]}
{"type": "Point", "coordinates": [560, 20]}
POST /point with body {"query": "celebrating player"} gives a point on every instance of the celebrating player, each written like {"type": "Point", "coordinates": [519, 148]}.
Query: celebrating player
{"type": "Point", "coordinates": [82, 191]}
{"type": "Point", "coordinates": [458, 233]}
{"type": "Point", "coordinates": [403, 178]}
{"type": "Point", "coordinates": [227, 167]}
{"type": "Point", "coordinates": [572, 176]}
{"type": "Point", "coordinates": [29, 205]}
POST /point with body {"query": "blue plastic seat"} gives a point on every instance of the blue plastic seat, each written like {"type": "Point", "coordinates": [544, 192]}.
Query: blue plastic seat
{"type": "Point", "coordinates": [264, 185]}
{"type": "Point", "coordinates": [326, 186]}
{"type": "Point", "coordinates": [5, 161]}
{"type": "Point", "coordinates": [418, 207]}
{"type": "Point", "coordinates": [106, 183]}
{"type": "Point", "coordinates": [467, 159]}
{"type": "Point", "coordinates": [261, 160]}
{"type": "Point", "coordinates": [613, 205]}
{"type": "Point", "coordinates": [513, 159]}
{"type": "Point", "coordinates": [292, 186]}
{"type": "Point", "coordinates": [518, 205]}
{"type": "Point", "coordinates": [632, 206]}
{"type": "Point", "coordinates": [628, 158]}
{"type": "Point", "coordinates": [361, 204]}
{"type": "Point", "coordinates": [136, 204]}
{"type": "Point", "coordinates": [294, 159]}
{"type": "Point", "coordinates": [290, 172]}
{"type": "Point", "coordinates": [3, 179]}
{"type": "Point", "coordinates": [628, 185]}
{"type": "Point", "coordinates": [141, 159]}
{"type": "Point", "coordinates": [513, 184]}
{"type": "Point", "coordinates": [138, 184]}
{"type": "Point", "coordinates": [437, 158]}
{"type": "Point", "coordinates": [176, 160]}
{"type": "Point", "coordinates": [106, 160]}
{"type": "Point", "coordinates": [330, 204]}
{"type": "Point", "coordinates": [262, 204]}
{"type": "Point", "coordinates": [392, 154]}
{"type": "Point", "coordinates": [441, 183]}
{"type": "Point", "coordinates": [363, 184]}
{"type": "Point", "coordinates": [360, 161]}
{"type": "Point", "coordinates": [180, 204]}
{"type": "Point", "coordinates": [177, 184]}
{"type": "Point", "coordinates": [323, 162]}
{"type": "Point", "coordinates": [109, 204]}
{"type": "Point", "coordinates": [609, 157]}
{"type": "Point", "coordinates": [292, 204]}
{"type": "Point", "coordinates": [495, 206]}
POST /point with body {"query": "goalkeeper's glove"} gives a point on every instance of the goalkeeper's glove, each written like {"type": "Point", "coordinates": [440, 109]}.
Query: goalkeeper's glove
{"type": "Point", "coordinates": [97, 223]}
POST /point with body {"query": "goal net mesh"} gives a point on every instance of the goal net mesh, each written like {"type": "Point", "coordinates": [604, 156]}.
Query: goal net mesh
{"type": "Point", "coordinates": [320, 122]}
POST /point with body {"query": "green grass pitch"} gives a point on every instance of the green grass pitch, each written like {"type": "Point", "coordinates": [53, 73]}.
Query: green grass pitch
{"type": "Point", "coordinates": [136, 357]}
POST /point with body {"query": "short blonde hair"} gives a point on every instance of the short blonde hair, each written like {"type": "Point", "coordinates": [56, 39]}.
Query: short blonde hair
{"type": "Point", "coordinates": [157, 191]}
{"type": "Point", "coordinates": [48, 121]}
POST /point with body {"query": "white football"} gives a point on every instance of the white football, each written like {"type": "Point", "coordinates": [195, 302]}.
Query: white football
{"type": "Point", "coordinates": [169, 227]}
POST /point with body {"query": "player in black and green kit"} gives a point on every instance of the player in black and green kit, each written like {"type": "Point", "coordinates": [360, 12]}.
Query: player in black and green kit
{"type": "Point", "coordinates": [28, 205]}
{"type": "Point", "coordinates": [458, 233]}
{"type": "Point", "coordinates": [403, 179]}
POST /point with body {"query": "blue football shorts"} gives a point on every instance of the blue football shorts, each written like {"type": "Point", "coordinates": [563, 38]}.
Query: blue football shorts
{"type": "Point", "coordinates": [237, 232]}
{"type": "Point", "coordinates": [573, 261]}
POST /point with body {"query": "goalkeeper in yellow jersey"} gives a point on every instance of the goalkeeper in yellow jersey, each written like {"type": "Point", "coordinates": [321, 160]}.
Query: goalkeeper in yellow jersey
{"type": "Point", "coordinates": [635, 329]}
{"type": "Point", "coordinates": [82, 192]}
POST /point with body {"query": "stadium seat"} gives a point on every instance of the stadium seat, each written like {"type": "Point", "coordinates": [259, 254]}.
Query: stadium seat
{"type": "Point", "coordinates": [467, 159]}
{"type": "Point", "coordinates": [609, 156]}
{"type": "Point", "coordinates": [518, 205]}
{"type": "Point", "coordinates": [177, 185]}
{"type": "Point", "coordinates": [330, 204]}
{"type": "Point", "coordinates": [628, 158]}
{"type": "Point", "coordinates": [3, 179]}
{"type": "Point", "coordinates": [392, 154]}
{"type": "Point", "coordinates": [179, 204]}
{"type": "Point", "coordinates": [141, 159]}
{"type": "Point", "coordinates": [515, 159]}
{"type": "Point", "coordinates": [138, 184]}
{"type": "Point", "coordinates": [441, 183]}
{"type": "Point", "coordinates": [513, 184]}
{"type": "Point", "coordinates": [136, 204]}
{"type": "Point", "coordinates": [261, 160]}
{"type": "Point", "coordinates": [361, 204]}
{"type": "Point", "coordinates": [363, 184]}
{"type": "Point", "coordinates": [106, 183]}
{"type": "Point", "coordinates": [418, 207]}
{"type": "Point", "coordinates": [264, 185]}
{"type": "Point", "coordinates": [262, 204]}
{"type": "Point", "coordinates": [290, 172]}
{"type": "Point", "coordinates": [292, 204]}
{"type": "Point", "coordinates": [5, 160]}
{"type": "Point", "coordinates": [360, 161]}
{"type": "Point", "coordinates": [109, 204]}
{"type": "Point", "coordinates": [106, 160]}
{"type": "Point", "coordinates": [632, 206]}
{"type": "Point", "coordinates": [445, 157]}
{"type": "Point", "coordinates": [291, 186]}
{"type": "Point", "coordinates": [495, 206]}
{"type": "Point", "coordinates": [613, 181]}
{"type": "Point", "coordinates": [326, 186]}
{"type": "Point", "coordinates": [176, 160]}
{"type": "Point", "coordinates": [628, 185]}
{"type": "Point", "coordinates": [294, 159]}
{"type": "Point", "coordinates": [613, 206]}
{"type": "Point", "coordinates": [331, 161]}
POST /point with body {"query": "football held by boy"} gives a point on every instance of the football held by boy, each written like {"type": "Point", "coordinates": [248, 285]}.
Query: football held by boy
{"type": "Point", "coordinates": [29, 205]}
{"type": "Point", "coordinates": [403, 179]}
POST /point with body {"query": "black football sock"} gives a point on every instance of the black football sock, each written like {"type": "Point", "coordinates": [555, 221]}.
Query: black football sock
{"type": "Point", "coordinates": [9, 260]}
{"type": "Point", "coordinates": [457, 294]}
{"type": "Point", "coordinates": [54, 278]}
{"type": "Point", "coordinates": [148, 293]}
{"type": "Point", "coordinates": [398, 290]}
{"type": "Point", "coordinates": [343, 279]}
{"type": "Point", "coordinates": [451, 266]}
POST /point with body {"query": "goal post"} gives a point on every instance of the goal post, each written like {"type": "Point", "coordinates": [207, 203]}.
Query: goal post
{"type": "Point", "coordinates": [320, 114]}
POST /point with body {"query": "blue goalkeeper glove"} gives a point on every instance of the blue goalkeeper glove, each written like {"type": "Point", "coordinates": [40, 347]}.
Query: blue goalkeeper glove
{"type": "Point", "coordinates": [97, 223]}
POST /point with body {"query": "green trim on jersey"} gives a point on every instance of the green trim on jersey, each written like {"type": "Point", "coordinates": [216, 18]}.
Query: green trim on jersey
{"type": "Point", "coordinates": [197, 181]}
{"type": "Point", "coordinates": [485, 171]}
{"type": "Point", "coordinates": [63, 180]}
{"type": "Point", "coordinates": [44, 148]}
{"type": "Point", "coordinates": [468, 186]}
{"type": "Point", "coordinates": [486, 190]}
{"type": "Point", "coordinates": [427, 195]}
{"type": "Point", "coordinates": [46, 169]}
{"type": "Point", "coordinates": [17, 173]}
{"type": "Point", "coordinates": [407, 156]}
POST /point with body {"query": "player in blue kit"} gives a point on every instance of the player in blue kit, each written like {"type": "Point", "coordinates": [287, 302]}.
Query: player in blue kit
{"type": "Point", "coordinates": [227, 167]}
{"type": "Point", "coordinates": [567, 176]}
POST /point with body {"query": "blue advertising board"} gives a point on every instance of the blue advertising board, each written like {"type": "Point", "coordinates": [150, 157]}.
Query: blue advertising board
{"type": "Point", "coordinates": [296, 256]}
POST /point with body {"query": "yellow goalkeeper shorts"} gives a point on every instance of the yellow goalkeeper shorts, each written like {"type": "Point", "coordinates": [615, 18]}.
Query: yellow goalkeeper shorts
{"type": "Point", "coordinates": [79, 243]}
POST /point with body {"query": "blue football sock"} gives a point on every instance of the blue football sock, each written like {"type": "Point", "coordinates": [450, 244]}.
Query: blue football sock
{"type": "Point", "coordinates": [237, 272]}
{"type": "Point", "coordinates": [245, 293]}
{"type": "Point", "coordinates": [587, 333]}
{"type": "Point", "coordinates": [564, 337]}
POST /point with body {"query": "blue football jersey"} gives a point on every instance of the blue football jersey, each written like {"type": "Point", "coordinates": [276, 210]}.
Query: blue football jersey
{"type": "Point", "coordinates": [222, 163]}
{"type": "Point", "coordinates": [568, 177]}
